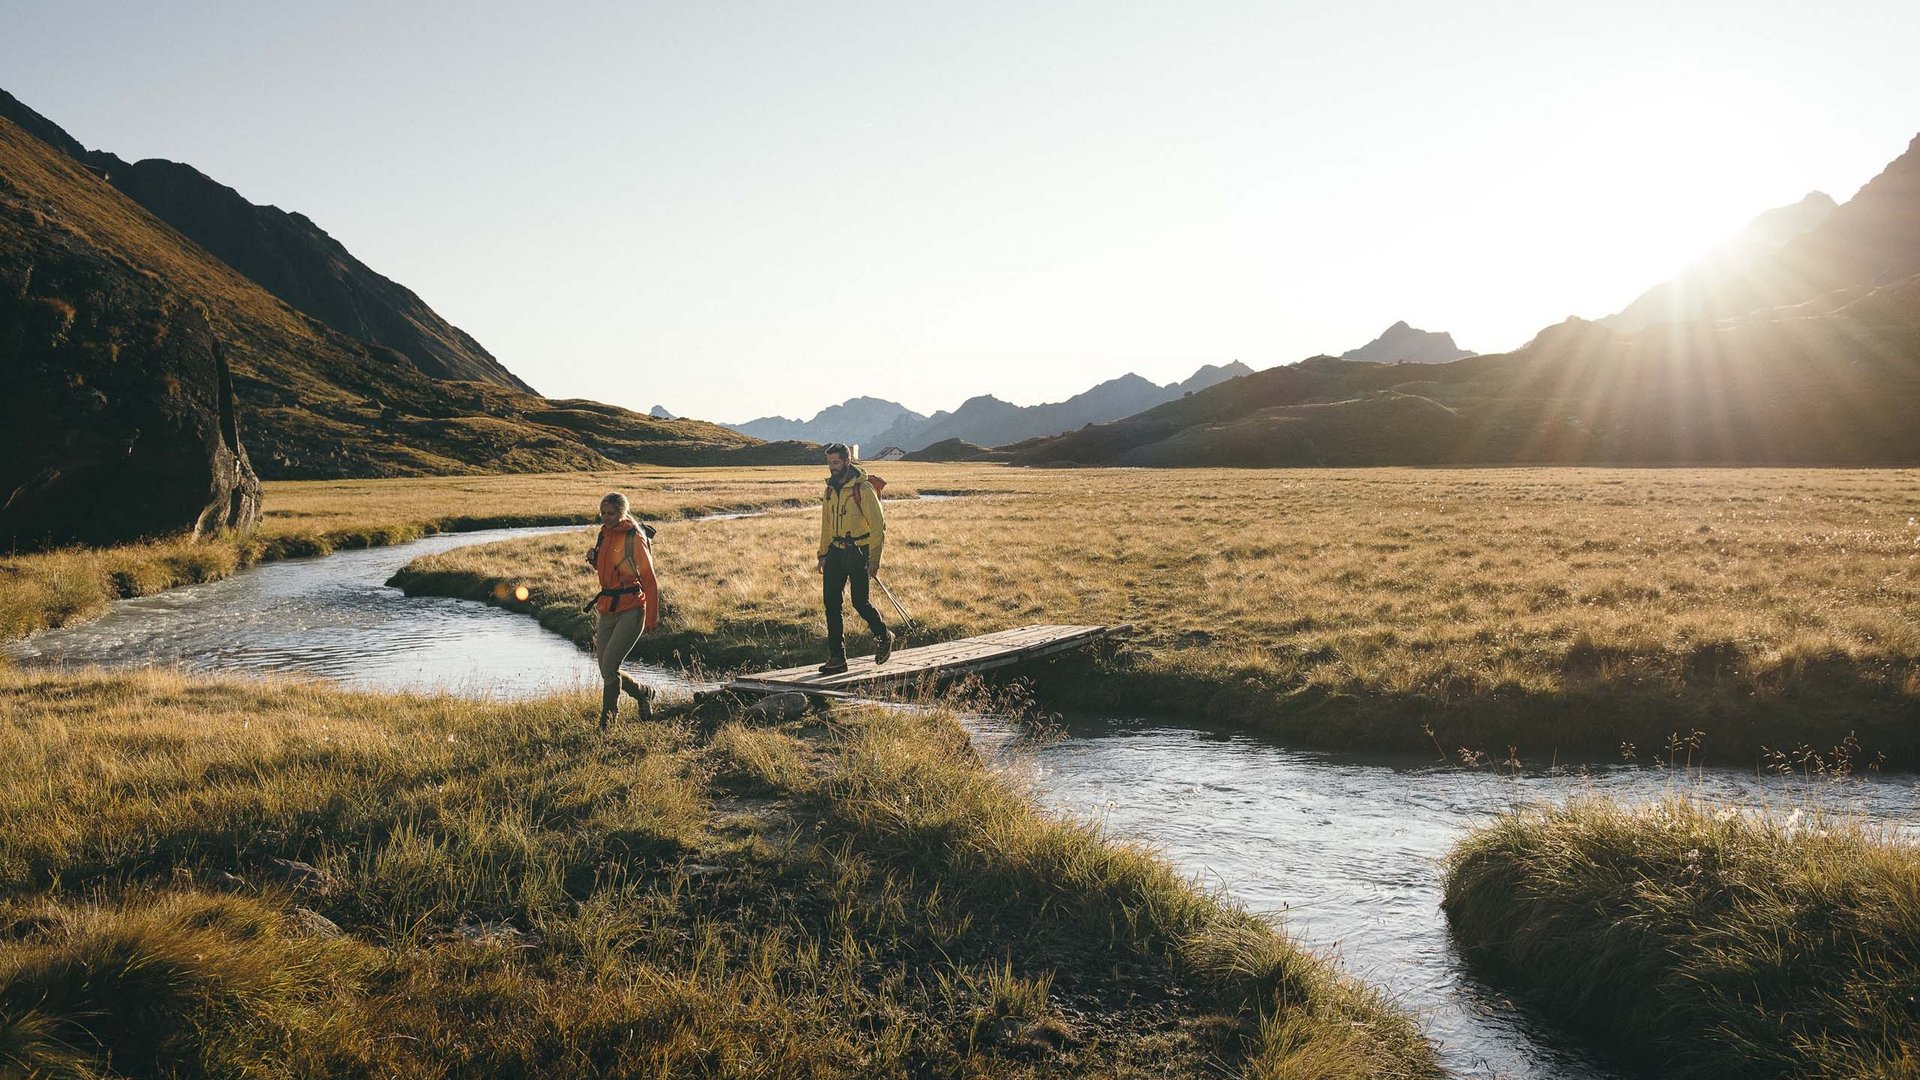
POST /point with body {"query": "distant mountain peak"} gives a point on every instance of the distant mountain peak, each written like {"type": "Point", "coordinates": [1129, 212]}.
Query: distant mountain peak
{"type": "Point", "coordinates": [1401, 343]}
{"type": "Point", "coordinates": [860, 420]}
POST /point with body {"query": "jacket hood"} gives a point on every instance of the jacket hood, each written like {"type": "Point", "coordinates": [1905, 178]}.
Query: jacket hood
{"type": "Point", "coordinates": [853, 475]}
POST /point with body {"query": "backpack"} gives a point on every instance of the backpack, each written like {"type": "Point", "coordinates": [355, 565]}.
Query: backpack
{"type": "Point", "coordinates": [879, 486]}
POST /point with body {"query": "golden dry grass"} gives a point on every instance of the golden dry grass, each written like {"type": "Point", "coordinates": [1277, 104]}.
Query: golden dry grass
{"type": "Point", "coordinates": [501, 890]}
{"type": "Point", "coordinates": [1705, 941]}
{"type": "Point", "coordinates": [1551, 609]}
{"type": "Point", "coordinates": [314, 517]}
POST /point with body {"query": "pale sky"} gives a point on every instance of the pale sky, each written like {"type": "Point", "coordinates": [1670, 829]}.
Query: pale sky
{"type": "Point", "coordinates": [736, 209]}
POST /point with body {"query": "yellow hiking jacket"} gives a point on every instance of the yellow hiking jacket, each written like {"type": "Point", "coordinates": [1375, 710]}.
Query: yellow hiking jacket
{"type": "Point", "coordinates": [852, 509]}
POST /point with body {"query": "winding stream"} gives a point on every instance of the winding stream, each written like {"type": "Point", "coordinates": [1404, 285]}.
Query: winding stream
{"type": "Point", "coordinates": [1343, 850]}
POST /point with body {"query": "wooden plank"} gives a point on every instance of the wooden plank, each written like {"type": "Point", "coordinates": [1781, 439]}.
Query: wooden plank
{"type": "Point", "coordinates": [943, 659]}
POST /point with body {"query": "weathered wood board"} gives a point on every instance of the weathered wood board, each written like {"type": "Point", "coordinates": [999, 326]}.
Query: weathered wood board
{"type": "Point", "coordinates": [945, 659]}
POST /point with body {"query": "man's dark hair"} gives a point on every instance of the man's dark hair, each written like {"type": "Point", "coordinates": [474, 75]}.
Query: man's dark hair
{"type": "Point", "coordinates": [839, 448]}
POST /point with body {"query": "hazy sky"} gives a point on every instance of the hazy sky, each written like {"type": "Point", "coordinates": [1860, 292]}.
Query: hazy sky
{"type": "Point", "coordinates": [736, 209]}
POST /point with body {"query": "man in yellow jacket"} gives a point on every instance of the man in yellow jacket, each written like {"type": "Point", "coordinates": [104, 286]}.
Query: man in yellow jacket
{"type": "Point", "coordinates": [853, 529]}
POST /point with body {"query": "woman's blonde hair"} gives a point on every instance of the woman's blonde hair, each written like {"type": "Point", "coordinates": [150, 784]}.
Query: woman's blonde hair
{"type": "Point", "coordinates": [619, 500]}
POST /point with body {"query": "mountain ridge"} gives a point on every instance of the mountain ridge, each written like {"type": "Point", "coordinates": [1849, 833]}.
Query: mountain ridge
{"type": "Point", "coordinates": [285, 253]}
{"type": "Point", "coordinates": [90, 272]}
{"type": "Point", "coordinates": [985, 419]}
{"type": "Point", "coordinates": [1871, 240]}
{"type": "Point", "coordinates": [1828, 373]}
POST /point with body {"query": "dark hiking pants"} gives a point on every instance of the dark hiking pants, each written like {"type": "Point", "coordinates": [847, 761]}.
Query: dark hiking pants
{"type": "Point", "coordinates": [847, 565]}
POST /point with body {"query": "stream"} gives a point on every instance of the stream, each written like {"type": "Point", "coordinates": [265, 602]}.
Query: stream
{"type": "Point", "coordinates": [1342, 850]}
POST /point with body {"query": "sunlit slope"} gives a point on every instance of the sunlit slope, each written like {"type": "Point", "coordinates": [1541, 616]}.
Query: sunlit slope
{"type": "Point", "coordinates": [1804, 352]}
{"type": "Point", "coordinates": [314, 403]}
{"type": "Point", "coordinates": [286, 254]}
{"type": "Point", "coordinates": [1871, 241]}
{"type": "Point", "coordinates": [1779, 388]}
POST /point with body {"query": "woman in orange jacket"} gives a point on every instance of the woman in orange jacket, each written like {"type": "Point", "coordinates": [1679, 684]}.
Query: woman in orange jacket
{"type": "Point", "coordinates": [628, 604]}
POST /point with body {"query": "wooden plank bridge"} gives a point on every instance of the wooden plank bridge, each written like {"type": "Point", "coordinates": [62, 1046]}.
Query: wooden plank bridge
{"type": "Point", "coordinates": [943, 660]}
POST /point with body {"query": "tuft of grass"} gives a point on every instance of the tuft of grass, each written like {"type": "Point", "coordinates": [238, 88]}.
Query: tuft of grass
{"type": "Point", "coordinates": [760, 758]}
{"type": "Point", "coordinates": [211, 985]}
{"type": "Point", "coordinates": [1712, 941]}
{"type": "Point", "coordinates": [501, 889]}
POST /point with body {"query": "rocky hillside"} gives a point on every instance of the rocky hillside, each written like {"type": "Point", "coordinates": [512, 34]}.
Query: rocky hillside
{"type": "Point", "coordinates": [311, 402]}
{"type": "Point", "coordinates": [284, 253]}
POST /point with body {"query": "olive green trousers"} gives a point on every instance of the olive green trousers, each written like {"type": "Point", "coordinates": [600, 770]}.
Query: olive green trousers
{"type": "Point", "coordinates": [613, 639]}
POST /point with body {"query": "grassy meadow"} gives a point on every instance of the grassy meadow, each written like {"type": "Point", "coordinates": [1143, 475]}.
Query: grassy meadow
{"type": "Point", "coordinates": [235, 878]}
{"type": "Point", "coordinates": [1556, 611]}
{"type": "Point", "coordinates": [1704, 942]}
{"type": "Point", "coordinates": [315, 517]}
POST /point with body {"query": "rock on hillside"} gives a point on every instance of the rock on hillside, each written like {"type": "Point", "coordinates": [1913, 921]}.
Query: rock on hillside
{"type": "Point", "coordinates": [286, 254]}
{"type": "Point", "coordinates": [1402, 344]}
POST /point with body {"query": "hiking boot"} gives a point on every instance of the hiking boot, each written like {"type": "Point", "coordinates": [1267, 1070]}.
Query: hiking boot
{"type": "Point", "coordinates": [834, 666]}
{"type": "Point", "coordinates": [606, 720]}
{"type": "Point", "coordinates": [641, 694]}
{"type": "Point", "coordinates": [884, 648]}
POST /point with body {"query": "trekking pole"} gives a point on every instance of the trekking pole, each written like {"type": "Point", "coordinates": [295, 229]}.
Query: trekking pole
{"type": "Point", "coordinates": [905, 619]}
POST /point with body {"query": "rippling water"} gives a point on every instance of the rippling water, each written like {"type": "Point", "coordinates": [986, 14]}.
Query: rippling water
{"type": "Point", "coordinates": [1345, 851]}
{"type": "Point", "coordinates": [333, 617]}
{"type": "Point", "coordinates": [1342, 850]}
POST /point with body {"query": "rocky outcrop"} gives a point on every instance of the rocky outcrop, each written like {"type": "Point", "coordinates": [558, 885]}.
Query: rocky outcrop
{"type": "Point", "coordinates": [120, 414]}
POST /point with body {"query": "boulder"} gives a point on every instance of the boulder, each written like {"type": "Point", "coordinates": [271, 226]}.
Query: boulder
{"type": "Point", "coordinates": [779, 708]}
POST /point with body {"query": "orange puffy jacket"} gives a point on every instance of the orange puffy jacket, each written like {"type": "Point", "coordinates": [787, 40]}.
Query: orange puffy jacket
{"type": "Point", "coordinates": [625, 561]}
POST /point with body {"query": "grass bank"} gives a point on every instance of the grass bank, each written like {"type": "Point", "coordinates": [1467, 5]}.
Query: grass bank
{"type": "Point", "coordinates": [1559, 611]}
{"type": "Point", "coordinates": [212, 878]}
{"type": "Point", "coordinates": [316, 517]}
{"type": "Point", "coordinates": [1707, 942]}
